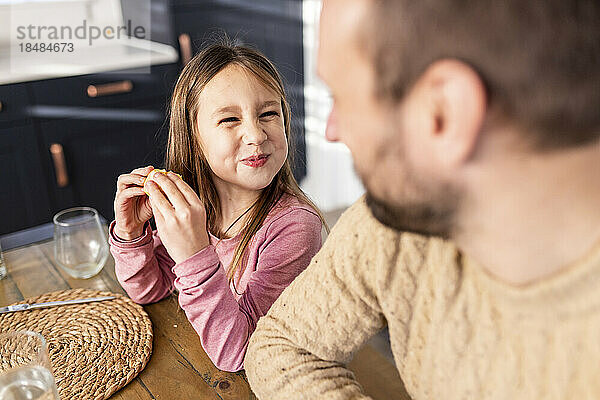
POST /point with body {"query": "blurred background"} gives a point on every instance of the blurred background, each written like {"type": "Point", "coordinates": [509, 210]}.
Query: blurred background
{"type": "Point", "coordinates": [80, 106]}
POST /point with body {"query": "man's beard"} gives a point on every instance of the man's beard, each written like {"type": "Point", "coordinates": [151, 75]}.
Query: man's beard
{"type": "Point", "coordinates": [420, 206]}
{"type": "Point", "coordinates": [433, 218]}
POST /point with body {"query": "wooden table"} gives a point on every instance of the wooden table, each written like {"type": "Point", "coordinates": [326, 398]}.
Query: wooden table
{"type": "Point", "coordinates": [179, 368]}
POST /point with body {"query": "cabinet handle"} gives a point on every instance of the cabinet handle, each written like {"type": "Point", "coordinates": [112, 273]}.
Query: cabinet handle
{"type": "Point", "coordinates": [60, 166]}
{"type": "Point", "coordinates": [185, 44]}
{"type": "Point", "coordinates": [1, 106]}
{"type": "Point", "coordinates": [109, 88]}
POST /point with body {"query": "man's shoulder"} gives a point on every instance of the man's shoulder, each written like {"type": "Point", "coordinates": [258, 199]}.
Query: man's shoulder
{"type": "Point", "coordinates": [357, 211]}
{"type": "Point", "coordinates": [372, 246]}
{"type": "Point", "coordinates": [392, 265]}
{"type": "Point", "coordinates": [358, 218]}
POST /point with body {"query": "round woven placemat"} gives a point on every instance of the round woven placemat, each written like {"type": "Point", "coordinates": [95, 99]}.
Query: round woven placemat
{"type": "Point", "coordinates": [95, 348]}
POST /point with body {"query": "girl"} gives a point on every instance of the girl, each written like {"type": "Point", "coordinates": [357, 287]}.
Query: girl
{"type": "Point", "coordinates": [235, 229]}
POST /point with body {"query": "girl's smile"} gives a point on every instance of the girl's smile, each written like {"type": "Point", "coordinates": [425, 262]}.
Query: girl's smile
{"type": "Point", "coordinates": [256, 161]}
{"type": "Point", "coordinates": [242, 129]}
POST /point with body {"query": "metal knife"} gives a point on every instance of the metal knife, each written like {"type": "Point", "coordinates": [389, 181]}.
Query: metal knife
{"type": "Point", "coordinates": [23, 307]}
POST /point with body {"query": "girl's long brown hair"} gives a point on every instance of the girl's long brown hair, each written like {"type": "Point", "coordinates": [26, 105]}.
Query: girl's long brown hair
{"type": "Point", "coordinates": [186, 157]}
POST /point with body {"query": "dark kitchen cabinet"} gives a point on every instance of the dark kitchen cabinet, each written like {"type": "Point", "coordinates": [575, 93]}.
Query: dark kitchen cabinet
{"type": "Point", "coordinates": [111, 90]}
{"type": "Point", "coordinates": [95, 153]}
{"type": "Point", "coordinates": [24, 199]}
{"type": "Point", "coordinates": [13, 105]}
{"type": "Point", "coordinates": [64, 141]}
{"type": "Point", "coordinates": [101, 126]}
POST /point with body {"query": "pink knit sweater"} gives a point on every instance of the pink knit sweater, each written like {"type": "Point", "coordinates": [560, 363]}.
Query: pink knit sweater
{"type": "Point", "coordinates": [224, 316]}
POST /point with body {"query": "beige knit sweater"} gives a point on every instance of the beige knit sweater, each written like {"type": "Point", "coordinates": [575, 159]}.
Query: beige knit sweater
{"type": "Point", "coordinates": [456, 333]}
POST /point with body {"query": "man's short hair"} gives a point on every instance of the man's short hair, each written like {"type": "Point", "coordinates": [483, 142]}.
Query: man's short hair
{"type": "Point", "coordinates": [539, 59]}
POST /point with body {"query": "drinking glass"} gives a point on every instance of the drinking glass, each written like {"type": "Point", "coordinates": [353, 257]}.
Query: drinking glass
{"type": "Point", "coordinates": [80, 246]}
{"type": "Point", "coordinates": [25, 370]}
{"type": "Point", "coordinates": [3, 272]}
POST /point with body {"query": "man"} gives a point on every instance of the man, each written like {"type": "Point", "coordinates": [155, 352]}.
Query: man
{"type": "Point", "coordinates": [475, 127]}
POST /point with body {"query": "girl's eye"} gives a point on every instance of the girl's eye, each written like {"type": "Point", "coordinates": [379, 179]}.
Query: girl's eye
{"type": "Point", "coordinates": [228, 119]}
{"type": "Point", "coordinates": [269, 114]}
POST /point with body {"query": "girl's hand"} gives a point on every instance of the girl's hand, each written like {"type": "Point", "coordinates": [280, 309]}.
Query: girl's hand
{"type": "Point", "coordinates": [179, 214]}
{"type": "Point", "coordinates": [132, 207]}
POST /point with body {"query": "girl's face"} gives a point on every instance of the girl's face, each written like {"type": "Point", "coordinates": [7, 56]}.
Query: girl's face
{"type": "Point", "coordinates": [241, 129]}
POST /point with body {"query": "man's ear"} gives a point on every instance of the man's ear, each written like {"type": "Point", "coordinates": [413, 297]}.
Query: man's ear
{"type": "Point", "coordinates": [457, 98]}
